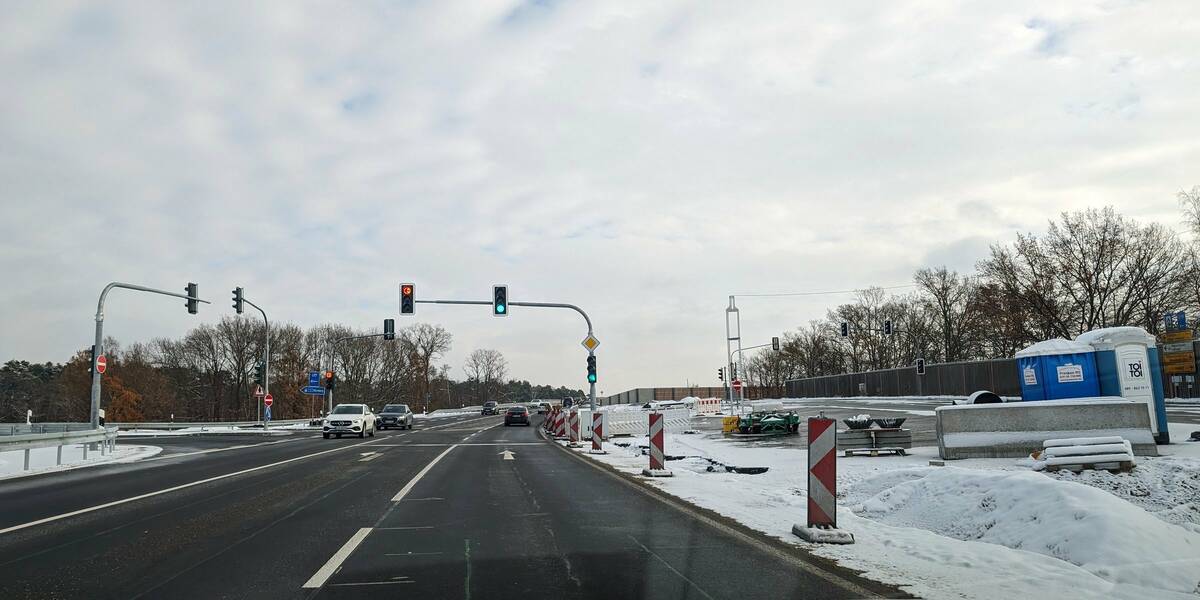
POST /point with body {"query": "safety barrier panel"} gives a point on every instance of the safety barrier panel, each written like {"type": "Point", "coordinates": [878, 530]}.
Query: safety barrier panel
{"type": "Point", "coordinates": [658, 465]}
{"type": "Point", "coordinates": [708, 406]}
{"type": "Point", "coordinates": [633, 422]}
{"type": "Point", "coordinates": [597, 432]}
{"type": "Point", "coordinates": [822, 485]}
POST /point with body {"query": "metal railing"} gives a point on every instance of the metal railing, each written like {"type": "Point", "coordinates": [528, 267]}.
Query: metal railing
{"type": "Point", "coordinates": [105, 437]}
{"type": "Point", "coordinates": [173, 425]}
{"type": "Point", "coordinates": [27, 428]}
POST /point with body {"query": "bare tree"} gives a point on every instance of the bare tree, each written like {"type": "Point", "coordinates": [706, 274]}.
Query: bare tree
{"type": "Point", "coordinates": [1189, 201]}
{"type": "Point", "coordinates": [425, 344]}
{"type": "Point", "coordinates": [487, 368]}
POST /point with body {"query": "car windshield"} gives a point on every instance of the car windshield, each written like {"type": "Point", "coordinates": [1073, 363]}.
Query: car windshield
{"type": "Point", "coordinates": [348, 410]}
{"type": "Point", "coordinates": [395, 408]}
{"type": "Point", "coordinates": [489, 403]}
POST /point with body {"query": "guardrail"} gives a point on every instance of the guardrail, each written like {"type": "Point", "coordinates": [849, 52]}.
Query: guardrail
{"type": "Point", "coordinates": [106, 437]}
{"type": "Point", "coordinates": [7, 429]}
{"type": "Point", "coordinates": [173, 425]}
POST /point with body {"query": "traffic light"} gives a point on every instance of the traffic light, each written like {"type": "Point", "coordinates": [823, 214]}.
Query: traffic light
{"type": "Point", "coordinates": [260, 372]}
{"type": "Point", "coordinates": [887, 327]}
{"type": "Point", "coordinates": [408, 301]}
{"type": "Point", "coordinates": [330, 380]}
{"type": "Point", "coordinates": [920, 366]}
{"type": "Point", "coordinates": [591, 364]}
{"type": "Point", "coordinates": [721, 373]}
{"type": "Point", "coordinates": [239, 300]}
{"type": "Point", "coordinates": [389, 329]}
{"type": "Point", "coordinates": [775, 344]}
{"type": "Point", "coordinates": [193, 301]}
{"type": "Point", "coordinates": [500, 302]}
{"type": "Point", "coordinates": [733, 371]}
{"type": "Point", "coordinates": [845, 329]}
{"type": "Point", "coordinates": [92, 362]}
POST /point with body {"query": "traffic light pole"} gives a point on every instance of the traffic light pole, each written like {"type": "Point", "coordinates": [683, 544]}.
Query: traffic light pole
{"type": "Point", "coordinates": [732, 312]}
{"type": "Point", "coordinates": [591, 384]}
{"type": "Point", "coordinates": [100, 335]}
{"type": "Point", "coordinates": [266, 359]}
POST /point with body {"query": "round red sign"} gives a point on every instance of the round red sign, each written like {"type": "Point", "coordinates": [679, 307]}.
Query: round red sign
{"type": "Point", "coordinates": [268, 400]}
{"type": "Point", "coordinates": [737, 384]}
{"type": "Point", "coordinates": [101, 364]}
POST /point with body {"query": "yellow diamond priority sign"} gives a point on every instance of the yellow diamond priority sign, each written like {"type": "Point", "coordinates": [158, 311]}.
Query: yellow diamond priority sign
{"type": "Point", "coordinates": [590, 342]}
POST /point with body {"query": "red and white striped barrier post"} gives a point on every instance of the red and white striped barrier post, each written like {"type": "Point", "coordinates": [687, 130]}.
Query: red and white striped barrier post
{"type": "Point", "coordinates": [822, 485]}
{"type": "Point", "coordinates": [573, 430]}
{"type": "Point", "coordinates": [597, 433]}
{"type": "Point", "coordinates": [560, 426]}
{"type": "Point", "coordinates": [658, 467]}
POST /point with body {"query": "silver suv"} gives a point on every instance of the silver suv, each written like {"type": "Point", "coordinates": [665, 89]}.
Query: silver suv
{"type": "Point", "coordinates": [395, 415]}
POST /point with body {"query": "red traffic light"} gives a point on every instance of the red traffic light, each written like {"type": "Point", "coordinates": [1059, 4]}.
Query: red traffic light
{"type": "Point", "coordinates": [406, 290]}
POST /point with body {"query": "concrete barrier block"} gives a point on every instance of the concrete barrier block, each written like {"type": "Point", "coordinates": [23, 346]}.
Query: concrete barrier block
{"type": "Point", "coordinates": [1015, 429]}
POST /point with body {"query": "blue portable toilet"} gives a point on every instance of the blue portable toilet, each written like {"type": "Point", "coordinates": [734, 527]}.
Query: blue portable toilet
{"type": "Point", "coordinates": [1057, 369]}
{"type": "Point", "coordinates": [1128, 365]}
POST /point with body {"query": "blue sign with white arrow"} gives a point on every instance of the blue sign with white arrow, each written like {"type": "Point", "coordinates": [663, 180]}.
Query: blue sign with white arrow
{"type": "Point", "coordinates": [313, 390]}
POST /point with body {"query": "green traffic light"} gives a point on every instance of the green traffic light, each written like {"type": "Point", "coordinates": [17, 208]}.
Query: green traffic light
{"type": "Point", "coordinates": [499, 308]}
{"type": "Point", "coordinates": [591, 379]}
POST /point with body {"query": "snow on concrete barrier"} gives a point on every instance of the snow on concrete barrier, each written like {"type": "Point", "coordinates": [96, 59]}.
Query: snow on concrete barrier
{"type": "Point", "coordinates": [1016, 429]}
{"type": "Point", "coordinates": [633, 422]}
{"type": "Point", "coordinates": [822, 485]}
{"type": "Point", "coordinates": [658, 467]}
{"type": "Point", "coordinates": [597, 433]}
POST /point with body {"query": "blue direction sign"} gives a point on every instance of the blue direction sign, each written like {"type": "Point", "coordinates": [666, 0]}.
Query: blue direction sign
{"type": "Point", "coordinates": [313, 390]}
{"type": "Point", "coordinates": [267, 414]}
{"type": "Point", "coordinates": [314, 379]}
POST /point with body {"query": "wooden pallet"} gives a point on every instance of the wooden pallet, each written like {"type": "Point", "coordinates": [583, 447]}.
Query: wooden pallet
{"type": "Point", "coordinates": [1123, 466]}
{"type": "Point", "coordinates": [874, 451]}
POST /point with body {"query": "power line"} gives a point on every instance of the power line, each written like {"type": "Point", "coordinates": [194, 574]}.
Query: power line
{"type": "Point", "coordinates": [828, 293]}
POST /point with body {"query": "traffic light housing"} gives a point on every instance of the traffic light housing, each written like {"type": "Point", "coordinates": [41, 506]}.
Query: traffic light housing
{"type": "Point", "coordinates": [92, 362]}
{"type": "Point", "coordinates": [721, 373]}
{"type": "Point", "coordinates": [239, 300]}
{"type": "Point", "coordinates": [591, 368]}
{"type": "Point", "coordinates": [775, 344]}
{"type": "Point", "coordinates": [260, 372]}
{"type": "Point", "coordinates": [500, 300]}
{"type": "Point", "coordinates": [845, 329]}
{"type": "Point", "coordinates": [920, 366]}
{"type": "Point", "coordinates": [887, 327]}
{"type": "Point", "coordinates": [193, 301]}
{"type": "Point", "coordinates": [389, 329]}
{"type": "Point", "coordinates": [408, 300]}
{"type": "Point", "coordinates": [330, 379]}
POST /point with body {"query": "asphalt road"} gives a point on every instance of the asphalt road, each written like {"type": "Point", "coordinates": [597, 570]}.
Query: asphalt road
{"type": "Point", "coordinates": [437, 512]}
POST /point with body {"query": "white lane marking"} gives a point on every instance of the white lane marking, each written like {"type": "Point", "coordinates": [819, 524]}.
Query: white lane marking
{"type": "Point", "coordinates": [459, 444]}
{"type": "Point", "coordinates": [420, 527]}
{"type": "Point", "coordinates": [367, 456]}
{"type": "Point", "coordinates": [211, 450]}
{"type": "Point", "coordinates": [169, 490]}
{"type": "Point", "coordinates": [412, 482]}
{"type": "Point", "coordinates": [326, 571]}
{"type": "Point", "coordinates": [508, 454]}
{"type": "Point", "coordinates": [369, 583]}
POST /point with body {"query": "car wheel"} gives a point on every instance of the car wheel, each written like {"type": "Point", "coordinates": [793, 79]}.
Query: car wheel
{"type": "Point", "coordinates": [325, 435]}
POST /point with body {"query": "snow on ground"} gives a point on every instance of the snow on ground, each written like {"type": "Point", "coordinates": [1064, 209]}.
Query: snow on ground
{"type": "Point", "coordinates": [42, 460]}
{"type": "Point", "coordinates": [438, 414]}
{"type": "Point", "coordinates": [979, 528]}
{"type": "Point", "coordinates": [1184, 401]}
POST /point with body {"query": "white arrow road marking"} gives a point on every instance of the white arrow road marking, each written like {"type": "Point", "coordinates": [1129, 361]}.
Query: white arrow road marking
{"type": "Point", "coordinates": [369, 456]}
{"type": "Point", "coordinates": [508, 454]}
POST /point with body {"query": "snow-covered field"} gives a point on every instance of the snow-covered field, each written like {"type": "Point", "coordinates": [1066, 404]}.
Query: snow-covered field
{"type": "Point", "coordinates": [980, 528]}
{"type": "Point", "coordinates": [42, 460]}
{"type": "Point", "coordinates": [438, 414]}
{"type": "Point", "coordinates": [274, 430]}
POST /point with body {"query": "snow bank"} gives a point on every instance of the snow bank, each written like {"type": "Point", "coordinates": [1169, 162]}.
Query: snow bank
{"type": "Point", "coordinates": [43, 460]}
{"type": "Point", "coordinates": [1078, 524]}
{"type": "Point", "coordinates": [985, 528]}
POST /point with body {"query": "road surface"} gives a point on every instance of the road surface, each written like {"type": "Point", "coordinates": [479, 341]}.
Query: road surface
{"type": "Point", "coordinates": [438, 512]}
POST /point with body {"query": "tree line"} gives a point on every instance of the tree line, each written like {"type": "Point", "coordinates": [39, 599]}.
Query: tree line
{"type": "Point", "coordinates": [1090, 269]}
{"type": "Point", "coordinates": [207, 375]}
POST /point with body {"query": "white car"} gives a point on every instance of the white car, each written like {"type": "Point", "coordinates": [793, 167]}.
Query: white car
{"type": "Point", "coordinates": [349, 419]}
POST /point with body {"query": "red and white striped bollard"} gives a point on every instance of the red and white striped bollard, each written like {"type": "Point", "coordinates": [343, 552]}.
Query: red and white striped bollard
{"type": "Point", "coordinates": [822, 485]}
{"type": "Point", "coordinates": [597, 433]}
{"type": "Point", "coordinates": [658, 466]}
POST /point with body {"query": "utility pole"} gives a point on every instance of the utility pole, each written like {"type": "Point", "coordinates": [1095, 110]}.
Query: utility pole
{"type": "Point", "coordinates": [192, 297]}
{"type": "Point", "coordinates": [266, 357]}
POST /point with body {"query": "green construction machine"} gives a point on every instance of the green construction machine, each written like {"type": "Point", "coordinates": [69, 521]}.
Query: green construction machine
{"type": "Point", "coordinates": [767, 423]}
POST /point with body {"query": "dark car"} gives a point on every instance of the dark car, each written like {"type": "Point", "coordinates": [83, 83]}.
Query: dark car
{"type": "Point", "coordinates": [395, 415]}
{"type": "Point", "coordinates": [489, 407]}
{"type": "Point", "coordinates": [516, 414]}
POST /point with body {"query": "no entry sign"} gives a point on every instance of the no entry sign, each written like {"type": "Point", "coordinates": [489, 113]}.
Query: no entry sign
{"type": "Point", "coordinates": [268, 399]}
{"type": "Point", "coordinates": [101, 364]}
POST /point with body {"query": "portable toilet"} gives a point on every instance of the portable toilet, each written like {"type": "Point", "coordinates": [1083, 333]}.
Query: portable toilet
{"type": "Point", "coordinates": [1057, 369]}
{"type": "Point", "coordinates": [1129, 366]}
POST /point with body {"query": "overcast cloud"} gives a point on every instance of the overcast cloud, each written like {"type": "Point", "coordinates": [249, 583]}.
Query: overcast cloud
{"type": "Point", "coordinates": [643, 160]}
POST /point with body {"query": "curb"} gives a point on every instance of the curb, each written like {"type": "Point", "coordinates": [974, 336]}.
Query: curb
{"type": "Point", "coordinates": [826, 568]}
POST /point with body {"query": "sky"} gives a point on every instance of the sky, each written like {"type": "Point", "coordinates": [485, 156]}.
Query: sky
{"type": "Point", "coordinates": [643, 160]}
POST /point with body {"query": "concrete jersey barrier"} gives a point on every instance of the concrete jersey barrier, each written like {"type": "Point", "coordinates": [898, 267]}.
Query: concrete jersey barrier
{"type": "Point", "coordinates": [1015, 429]}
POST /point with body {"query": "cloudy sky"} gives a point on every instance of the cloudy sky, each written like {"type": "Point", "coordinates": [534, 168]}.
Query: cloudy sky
{"type": "Point", "coordinates": [644, 160]}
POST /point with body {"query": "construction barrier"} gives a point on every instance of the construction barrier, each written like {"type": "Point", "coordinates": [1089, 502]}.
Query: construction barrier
{"type": "Point", "coordinates": [708, 406]}
{"type": "Point", "coordinates": [560, 425]}
{"type": "Point", "coordinates": [658, 467]}
{"type": "Point", "coordinates": [633, 422]}
{"type": "Point", "coordinates": [822, 485]}
{"type": "Point", "coordinates": [574, 428]}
